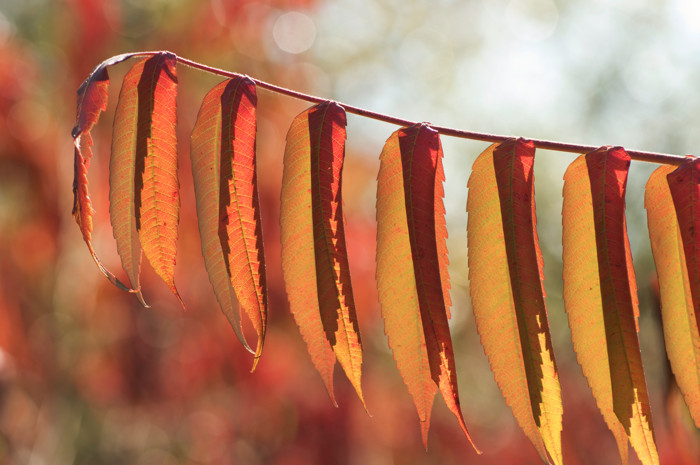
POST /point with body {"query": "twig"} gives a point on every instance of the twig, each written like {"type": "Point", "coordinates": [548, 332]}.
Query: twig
{"type": "Point", "coordinates": [640, 155]}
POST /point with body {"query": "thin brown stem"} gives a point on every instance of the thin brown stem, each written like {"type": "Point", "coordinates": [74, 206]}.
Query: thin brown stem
{"type": "Point", "coordinates": [640, 155]}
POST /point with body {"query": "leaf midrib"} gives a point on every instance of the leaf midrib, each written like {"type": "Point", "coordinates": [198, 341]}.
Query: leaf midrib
{"type": "Point", "coordinates": [246, 238]}
{"type": "Point", "coordinates": [618, 320]}
{"type": "Point", "coordinates": [417, 270]}
{"type": "Point", "coordinates": [153, 84]}
{"type": "Point", "coordinates": [328, 253]}
{"type": "Point", "coordinates": [523, 331]}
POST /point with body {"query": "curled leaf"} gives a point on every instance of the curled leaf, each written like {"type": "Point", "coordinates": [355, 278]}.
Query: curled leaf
{"type": "Point", "coordinates": [92, 101]}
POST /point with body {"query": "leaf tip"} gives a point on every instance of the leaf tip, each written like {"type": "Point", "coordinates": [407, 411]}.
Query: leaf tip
{"type": "Point", "coordinates": [424, 428]}
{"type": "Point", "coordinates": [332, 396]}
{"type": "Point", "coordinates": [256, 360]}
{"type": "Point", "coordinates": [463, 425]}
{"type": "Point", "coordinates": [362, 399]}
{"type": "Point", "coordinates": [258, 353]}
{"type": "Point", "coordinates": [177, 294]}
{"type": "Point", "coordinates": [139, 296]}
{"type": "Point", "coordinates": [112, 279]}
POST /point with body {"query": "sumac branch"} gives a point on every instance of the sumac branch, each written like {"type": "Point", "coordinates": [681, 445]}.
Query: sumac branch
{"type": "Point", "coordinates": [505, 262]}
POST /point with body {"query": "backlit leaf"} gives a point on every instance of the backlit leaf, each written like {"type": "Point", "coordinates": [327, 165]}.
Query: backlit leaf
{"type": "Point", "coordinates": [505, 261]}
{"type": "Point", "coordinates": [225, 182]}
{"type": "Point", "coordinates": [122, 175]}
{"type": "Point", "coordinates": [92, 100]}
{"type": "Point", "coordinates": [314, 256]}
{"type": "Point", "coordinates": [412, 268]}
{"type": "Point", "coordinates": [505, 274]}
{"type": "Point", "coordinates": [144, 190]}
{"type": "Point", "coordinates": [600, 296]}
{"type": "Point", "coordinates": [678, 309]}
{"type": "Point", "coordinates": [684, 183]}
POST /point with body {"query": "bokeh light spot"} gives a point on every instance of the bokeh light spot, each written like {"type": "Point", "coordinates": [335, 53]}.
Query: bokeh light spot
{"type": "Point", "coordinates": [294, 32]}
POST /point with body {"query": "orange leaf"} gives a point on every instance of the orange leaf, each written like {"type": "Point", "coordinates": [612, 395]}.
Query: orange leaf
{"type": "Point", "coordinates": [412, 268]}
{"type": "Point", "coordinates": [92, 100]}
{"type": "Point", "coordinates": [225, 182]}
{"type": "Point", "coordinates": [144, 190]}
{"type": "Point", "coordinates": [121, 178]}
{"type": "Point", "coordinates": [678, 309]}
{"type": "Point", "coordinates": [505, 273]}
{"type": "Point", "coordinates": [684, 183]}
{"type": "Point", "coordinates": [600, 296]}
{"type": "Point", "coordinates": [314, 256]}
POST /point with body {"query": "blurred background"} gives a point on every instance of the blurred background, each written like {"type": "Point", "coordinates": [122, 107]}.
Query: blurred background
{"type": "Point", "coordinates": [87, 376]}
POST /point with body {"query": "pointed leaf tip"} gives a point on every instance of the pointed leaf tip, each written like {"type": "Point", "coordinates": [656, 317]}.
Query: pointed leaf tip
{"type": "Point", "coordinates": [506, 286]}
{"type": "Point", "coordinates": [314, 255]}
{"type": "Point", "coordinates": [327, 124]}
{"type": "Point", "coordinates": [156, 189]}
{"type": "Point", "coordinates": [600, 296]}
{"type": "Point", "coordinates": [144, 155]}
{"type": "Point", "coordinates": [225, 181]}
{"type": "Point", "coordinates": [412, 276]}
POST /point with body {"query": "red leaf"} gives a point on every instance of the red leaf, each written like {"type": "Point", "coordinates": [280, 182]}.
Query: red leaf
{"type": "Point", "coordinates": [412, 268]}
{"type": "Point", "coordinates": [144, 190]}
{"type": "Point", "coordinates": [92, 100]}
{"type": "Point", "coordinates": [121, 178]}
{"type": "Point", "coordinates": [506, 285]}
{"type": "Point", "coordinates": [600, 296]}
{"type": "Point", "coordinates": [681, 334]}
{"type": "Point", "coordinates": [225, 182]}
{"type": "Point", "coordinates": [684, 183]}
{"type": "Point", "coordinates": [314, 255]}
